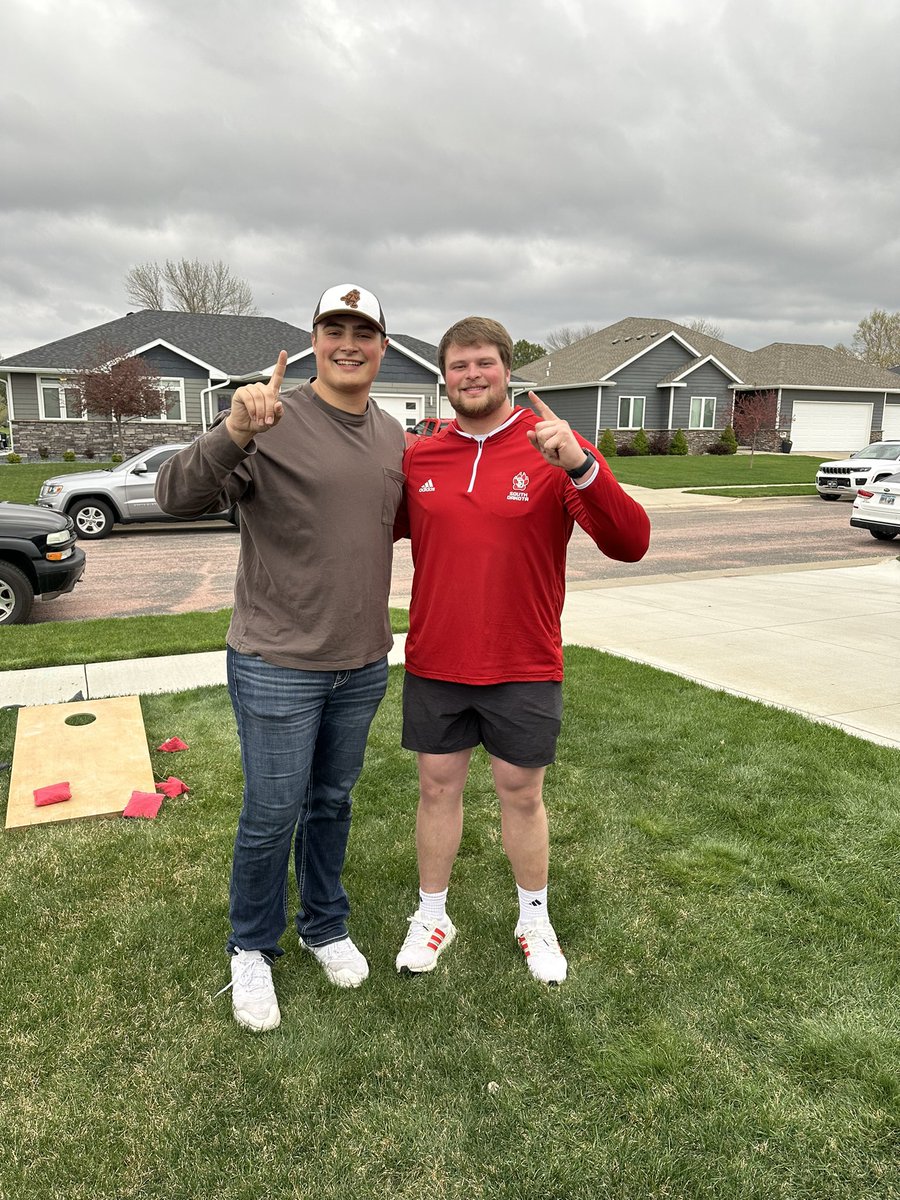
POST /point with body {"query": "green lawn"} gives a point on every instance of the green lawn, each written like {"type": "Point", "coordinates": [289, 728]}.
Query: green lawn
{"type": "Point", "coordinates": [59, 643]}
{"type": "Point", "coordinates": [706, 470]}
{"type": "Point", "coordinates": [725, 883]}
{"type": "Point", "coordinates": [21, 482]}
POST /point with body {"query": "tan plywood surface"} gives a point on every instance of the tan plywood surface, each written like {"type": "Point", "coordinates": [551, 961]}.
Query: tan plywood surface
{"type": "Point", "coordinates": [103, 762]}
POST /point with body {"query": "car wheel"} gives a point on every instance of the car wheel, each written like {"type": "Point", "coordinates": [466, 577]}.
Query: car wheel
{"type": "Point", "coordinates": [93, 518]}
{"type": "Point", "coordinates": [882, 535]}
{"type": "Point", "coordinates": [16, 595]}
{"type": "Point", "coordinates": [829, 495]}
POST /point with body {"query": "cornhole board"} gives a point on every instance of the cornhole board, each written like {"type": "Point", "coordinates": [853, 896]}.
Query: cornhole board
{"type": "Point", "coordinates": [103, 762]}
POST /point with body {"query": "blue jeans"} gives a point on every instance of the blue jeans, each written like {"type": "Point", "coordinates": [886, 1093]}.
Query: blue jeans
{"type": "Point", "coordinates": [303, 739]}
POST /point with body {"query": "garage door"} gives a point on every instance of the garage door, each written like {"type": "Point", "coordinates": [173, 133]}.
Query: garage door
{"type": "Point", "coordinates": [407, 409]}
{"type": "Point", "coordinates": [831, 426]}
{"type": "Point", "coordinates": [891, 423]}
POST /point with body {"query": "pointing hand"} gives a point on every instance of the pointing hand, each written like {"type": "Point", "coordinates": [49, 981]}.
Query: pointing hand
{"type": "Point", "coordinates": [256, 407]}
{"type": "Point", "coordinates": [553, 437]}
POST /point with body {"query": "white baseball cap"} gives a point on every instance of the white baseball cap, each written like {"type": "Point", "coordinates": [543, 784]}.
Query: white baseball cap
{"type": "Point", "coordinates": [350, 298]}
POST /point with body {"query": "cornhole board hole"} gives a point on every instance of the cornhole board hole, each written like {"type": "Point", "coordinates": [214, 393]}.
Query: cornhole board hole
{"type": "Point", "coordinates": [104, 761]}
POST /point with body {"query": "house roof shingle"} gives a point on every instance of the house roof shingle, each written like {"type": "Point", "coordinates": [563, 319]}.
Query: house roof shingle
{"type": "Point", "coordinates": [234, 345]}
{"type": "Point", "coordinates": [782, 364]}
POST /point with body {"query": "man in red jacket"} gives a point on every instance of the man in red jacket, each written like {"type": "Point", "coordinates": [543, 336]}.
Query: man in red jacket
{"type": "Point", "coordinates": [490, 506]}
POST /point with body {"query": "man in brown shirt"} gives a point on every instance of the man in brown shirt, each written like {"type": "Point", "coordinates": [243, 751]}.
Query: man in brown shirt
{"type": "Point", "coordinates": [316, 473]}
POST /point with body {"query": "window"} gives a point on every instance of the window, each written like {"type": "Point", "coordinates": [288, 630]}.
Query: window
{"type": "Point", "coordinates": [703, 412]}
{"type": "Point", "coordinates": [58, 403]}
{"type": "Point", "coordinates": [173, 394]}
{"type": "Point", "coordinates": [631, 412]}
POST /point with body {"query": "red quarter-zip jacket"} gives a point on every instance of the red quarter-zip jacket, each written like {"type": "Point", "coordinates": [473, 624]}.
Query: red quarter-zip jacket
{"type": "Point", "coordinates": [489, 520]}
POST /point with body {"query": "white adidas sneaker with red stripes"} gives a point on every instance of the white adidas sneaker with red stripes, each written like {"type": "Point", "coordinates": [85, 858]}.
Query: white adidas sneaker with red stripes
{"type": "Point", "coordinates": [424, 943]}
{"type": "Point", "coordinates": [545, 960]}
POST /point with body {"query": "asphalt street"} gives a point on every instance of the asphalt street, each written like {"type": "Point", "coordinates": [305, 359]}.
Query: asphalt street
{"type": "Point", "coordinates": [147, 569]}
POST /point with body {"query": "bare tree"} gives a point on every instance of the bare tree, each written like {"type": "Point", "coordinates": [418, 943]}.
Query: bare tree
{"type": "Point", "coordinates": [754, 412]}
{"type": "Point", "coordinates": [117, 386]}
{"type": "Point", "coordinates": [567, 335]}
{"type": "Point", "coordinates": [190, 285]}
{"type": "Point", "coordinates": [707, 327]}
{"type": "Point", "coordinates": [876, 340]}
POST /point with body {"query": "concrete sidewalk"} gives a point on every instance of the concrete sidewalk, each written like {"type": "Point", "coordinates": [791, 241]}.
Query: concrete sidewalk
{"type": "Point", "coordinates": [821, 642]}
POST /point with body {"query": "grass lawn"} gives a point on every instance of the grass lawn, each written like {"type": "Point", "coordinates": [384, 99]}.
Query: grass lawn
{"type": "Point", "coordinates": [725, 882]}
{"type": "Point", "coordinates": [60, 643]}
{"type": "Point", "coordinates": [21, 482]}
{"type": "Point", "coordinates": [706, 470]}
{"type": "Point", "coordinates": [777, 489]}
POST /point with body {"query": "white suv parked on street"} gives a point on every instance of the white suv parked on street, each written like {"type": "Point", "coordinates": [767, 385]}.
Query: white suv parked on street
{"type": "Point", "coordinates": [845, 476]}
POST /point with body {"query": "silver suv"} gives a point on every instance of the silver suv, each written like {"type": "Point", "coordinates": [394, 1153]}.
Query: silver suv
{"type": "Point", "coordinates": [96, 500]}
{"type": "Point", "coordinates": [844, 477]}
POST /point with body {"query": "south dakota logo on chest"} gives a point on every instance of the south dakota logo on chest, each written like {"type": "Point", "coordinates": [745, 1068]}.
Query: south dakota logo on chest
{"type": "Point", "coordinates": [519, 490]}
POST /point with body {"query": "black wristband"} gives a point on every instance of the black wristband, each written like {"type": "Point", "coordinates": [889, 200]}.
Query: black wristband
{"type": "Point", "coordinates": [589, 461]}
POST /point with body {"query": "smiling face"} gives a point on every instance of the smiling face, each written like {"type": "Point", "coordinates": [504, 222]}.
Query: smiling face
{"type": "Point", "coordinates": [348, 353]}
{"type": "Point", "coordinates": [477, 381]}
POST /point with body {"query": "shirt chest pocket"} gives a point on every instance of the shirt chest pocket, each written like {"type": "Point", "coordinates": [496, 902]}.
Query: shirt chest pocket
{"type": "Point", "coordinates": [393, 494]}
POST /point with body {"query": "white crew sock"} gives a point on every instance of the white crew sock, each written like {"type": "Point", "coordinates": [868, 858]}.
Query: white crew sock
{"type": "Point", "coordinates": [433, 905]}
{"type": "Point", "coordinates": [531, 905]}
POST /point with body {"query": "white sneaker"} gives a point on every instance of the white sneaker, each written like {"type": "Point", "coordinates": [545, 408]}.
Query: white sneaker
{"type": "Point", "coordinates": [253, 999]}
{"type": "Point", "coordinates": [424, 943]}
{"type": "Point", "coordinates": [341, 962]}
{"type": "Point", "coordinates": [545, 960]}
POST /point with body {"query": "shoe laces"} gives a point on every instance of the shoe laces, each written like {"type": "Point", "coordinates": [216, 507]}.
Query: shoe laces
{"type": "Point", "coordinates": [254, 976]}
{"type": "Point", "coordinates": [540, 934]}
{"type": "Point", "coordinates": [342, 949]}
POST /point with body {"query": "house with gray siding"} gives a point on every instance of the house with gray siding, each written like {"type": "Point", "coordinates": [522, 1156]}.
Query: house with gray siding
{"type": "Point", "coordinates": [200, 358]}
{"type": "Point", "coordinates": [652, 374]}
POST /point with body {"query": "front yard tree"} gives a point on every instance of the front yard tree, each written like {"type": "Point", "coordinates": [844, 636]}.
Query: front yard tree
{"type": "Point", "coordinates": [876, 340]}
{"type": "Point", "coordinates": [190, 285]}
{"type": "Point", "coordinates": [754, 412]}
{"type": "Point", "coordinates": [118, 386]}
{"type": "Point", "coordinates": [526, 352]}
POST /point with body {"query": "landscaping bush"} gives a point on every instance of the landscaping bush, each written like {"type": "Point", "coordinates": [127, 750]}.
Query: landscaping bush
{"type": "Point", "coordinates": [116, 458]}
{"type": "Point", "coordinates": [69, 456]}
{"type": "Point", "coordinates": [727, 438]}
{"type": "Point", "coordinates": [12, 457]}
{"type": "Point", "coordinates": [679, 443]}
{"type": "Point", "coordinates": [44, 451]}
{"type": "Point", "coordinates": [627, 451]}
{"type": "Point", "coordinates": [660, 443]}
{"type": "Point", "coordinates": [89, 451]}
{"type": "Point", "coordinates": [607, 444]}
{"type": "Point", "coordinates": [640, 443]}
{"type": "Point", "coordinates": [719, 447]}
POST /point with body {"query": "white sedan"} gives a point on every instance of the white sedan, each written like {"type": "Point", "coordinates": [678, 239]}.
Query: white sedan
{"type": "Point", "coordinates": [877, 508]}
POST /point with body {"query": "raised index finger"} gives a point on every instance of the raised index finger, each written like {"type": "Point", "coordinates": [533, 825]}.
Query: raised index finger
{"type": "Point", "coordinates": [277, 376]}
{"type": "Point", "coordinates": [545, 413]}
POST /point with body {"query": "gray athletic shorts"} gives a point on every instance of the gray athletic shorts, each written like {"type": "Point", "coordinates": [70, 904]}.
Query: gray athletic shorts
{"type": "Point", "coordinates": [516, 722]}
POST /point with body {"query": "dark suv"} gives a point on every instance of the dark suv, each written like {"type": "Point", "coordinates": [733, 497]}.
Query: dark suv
{"type": "Point", "coordinates": [38, 557]}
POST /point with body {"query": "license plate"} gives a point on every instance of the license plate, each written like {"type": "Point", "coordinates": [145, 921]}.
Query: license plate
{"type": "Point", "coordinates": [884, 498]}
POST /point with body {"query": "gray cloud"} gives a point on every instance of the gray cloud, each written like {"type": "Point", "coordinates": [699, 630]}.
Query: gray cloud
{"type": "Point", "coordinates": [550, 163]}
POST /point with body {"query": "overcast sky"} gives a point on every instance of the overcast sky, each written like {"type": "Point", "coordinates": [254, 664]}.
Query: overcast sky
{"type": "Point", "coordinates": [550, 164]}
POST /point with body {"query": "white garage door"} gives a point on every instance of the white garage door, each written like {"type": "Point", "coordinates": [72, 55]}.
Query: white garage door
{"type": "Point", "coordinates": [890, 426]}
{"type": "Point", "coordinates": [831, 426]}
{"type": "Point", "coordinates": [407, 409]}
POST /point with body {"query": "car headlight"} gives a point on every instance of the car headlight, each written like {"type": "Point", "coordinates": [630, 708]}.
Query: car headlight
{"type": "Point", "coordinates": [58, 537]}
{"type": "Point", "coordinates": [51, 489]}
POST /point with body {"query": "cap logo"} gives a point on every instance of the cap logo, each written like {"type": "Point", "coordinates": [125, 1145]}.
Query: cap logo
{"type": "Point", "coordinates": [351, 299]}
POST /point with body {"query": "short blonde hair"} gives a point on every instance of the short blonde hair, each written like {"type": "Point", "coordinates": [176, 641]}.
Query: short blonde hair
{"type": "Point", "coordinates": [472, 331]}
